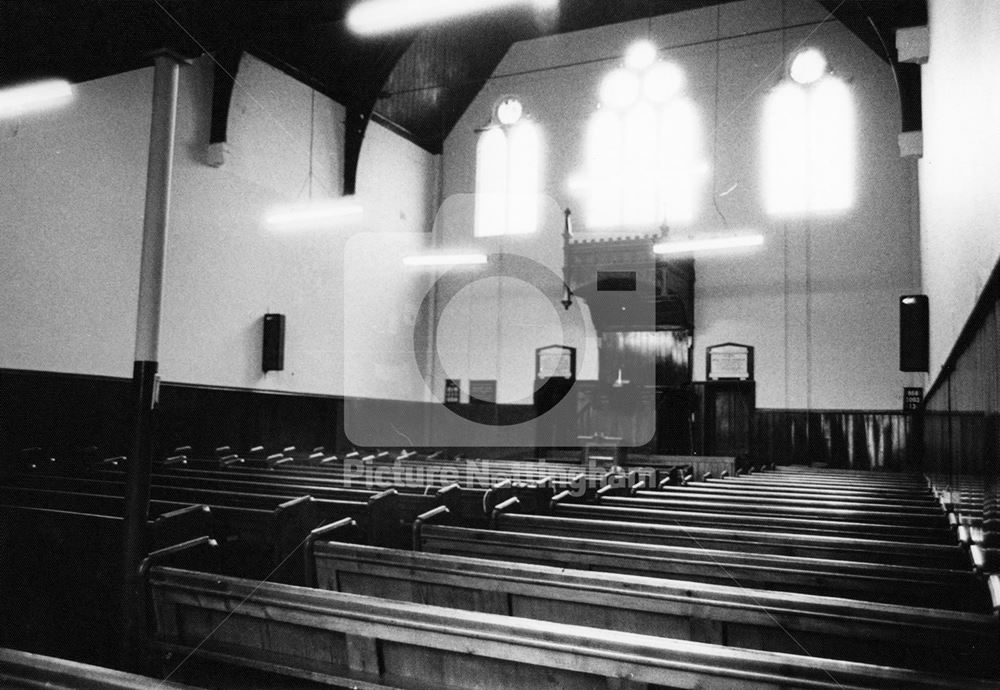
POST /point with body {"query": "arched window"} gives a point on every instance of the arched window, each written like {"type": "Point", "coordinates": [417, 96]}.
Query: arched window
{"type": "Point", "coordinates": [643, 163]}
{"type": "Point", "coordinates": [508, 162]}
{"type": "Point", "coordinates": [809, 142]}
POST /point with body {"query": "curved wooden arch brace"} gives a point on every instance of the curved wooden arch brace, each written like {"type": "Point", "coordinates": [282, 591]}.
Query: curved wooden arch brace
{"type": "Point", "coordinates": [227, 65]}
{"type": "Point", "coordinates": [359, 111]}
{"type": "Point", "coordinates": [356, 122]}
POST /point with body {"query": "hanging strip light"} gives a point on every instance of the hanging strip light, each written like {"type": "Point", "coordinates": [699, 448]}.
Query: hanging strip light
{"type": "Point", "coordinates": [430, 260]}
{"type": "Point", "coordinates": [372, 17]}
{"type": "Point", "coordinates": [42, 95]}
{"type": "Point", "coordinates": [686, 246]}
{"type": "Point", "coordinates": [319, 213]}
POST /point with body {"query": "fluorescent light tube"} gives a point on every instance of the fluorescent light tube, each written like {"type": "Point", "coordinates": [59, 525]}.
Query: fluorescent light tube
{"type": "Point", "coordinates": [707, 244]}
{"type": "Point", "coordinates": [36, 96]}
{"type": "Point", "coordinates": [383, 16]}
{"type": "Point", "coordinates": [445, 260]}
{"type": "Point", "coordinates": [314, 214]}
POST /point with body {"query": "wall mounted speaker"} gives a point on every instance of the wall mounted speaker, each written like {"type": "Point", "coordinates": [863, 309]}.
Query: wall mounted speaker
{"type": "Point", "coordinates": [914, 333]}
{"type": "Point", "coordinates": [273, 358]}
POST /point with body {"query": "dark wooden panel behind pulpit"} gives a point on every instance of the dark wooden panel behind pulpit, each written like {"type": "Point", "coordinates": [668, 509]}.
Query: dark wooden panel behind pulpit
{"type": "Point", "coordinates": [723, 415]}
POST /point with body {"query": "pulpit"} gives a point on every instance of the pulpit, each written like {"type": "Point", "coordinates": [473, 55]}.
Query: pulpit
{"type": "Point", "coordinates": [642, 308]}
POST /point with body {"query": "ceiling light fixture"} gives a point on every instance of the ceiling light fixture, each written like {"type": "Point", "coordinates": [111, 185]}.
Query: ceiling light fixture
{"type": "Point", "coordinates": [808, 66]}
{"type": "Point", "coordinates": [42, 95]}
{"type": "Point", "coordinates": [707, 244]}
{"type": "Point", "coordinates": [371, 17]}
{"type": "Point", "coordinates": [509, 111]}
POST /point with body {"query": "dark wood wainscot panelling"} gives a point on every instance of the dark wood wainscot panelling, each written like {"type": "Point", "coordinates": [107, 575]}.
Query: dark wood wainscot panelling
{"type": "Point", "coordinates": [962, 411]}
{"type": "Point", "coordinates": [855, 439]}
{"type": "Point", "coordinates": [62, 411]}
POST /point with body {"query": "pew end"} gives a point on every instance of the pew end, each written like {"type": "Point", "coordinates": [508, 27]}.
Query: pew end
{"type": "Point", "coordinates": [175, 460]}
{"type": "Point", "coordinates": [993, 582]}
{"type": "Point", "coordinates": [439, 515]}
{"type": "Point", "coordinates": [176, 554]}
{"type": "Point", "coordinates": [504, 507]}
{"type": "Point", "coordinates": [345, 527]}
{"type": "Point", "coordinates": [181, 525]}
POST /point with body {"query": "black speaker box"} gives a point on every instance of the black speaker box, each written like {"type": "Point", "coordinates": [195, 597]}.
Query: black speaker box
{"type": "Point", "coordinates": [274, 342]}
{"type": "Point", "coordinates": [914, 333]}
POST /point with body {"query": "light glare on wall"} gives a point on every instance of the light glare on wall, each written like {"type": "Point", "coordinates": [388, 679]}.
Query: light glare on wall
{"type": "Point", "coordinates": [315, 214]}
{"type": "Point", "coordinates": [662, 82]}
{"type": "Point", "coordinates": [384, 16]}
{"type": "Point", "coordinates": [809, 148]}
{"type": "Point", "coordinates": [42, 95]}
{"type": "Point", "coordinates": [640, 55]}
{"type": "Point", "coordinates": [508, 177]}
{"type": "Point", "coordinates": [708, 244]}
{"type": "Point", "coordinates": [643, 164]}
{"type": "Point", "coordinates": [619, 89]}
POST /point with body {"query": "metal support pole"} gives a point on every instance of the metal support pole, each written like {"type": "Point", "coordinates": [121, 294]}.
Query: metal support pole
{"type": "Point", "coordinates": [144, 372]}
{"type": "Point", "coordinates": [567, 235]}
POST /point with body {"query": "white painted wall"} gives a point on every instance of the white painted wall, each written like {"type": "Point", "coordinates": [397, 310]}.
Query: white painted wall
{"type": "Point", "coordinates": [71, 205]}
{"type": "Point", "coordinates": [819, 302]}
{"type": "Point", "coordinates": [73, 225]}
{"type": "Point", "coordinates": [960, 205]}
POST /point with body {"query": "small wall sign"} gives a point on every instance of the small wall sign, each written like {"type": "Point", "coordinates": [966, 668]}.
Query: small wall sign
{"type": "Point", "coordinates": [483, 391]}
{"type": "Point", "coordinates": [452, 391]}
{"type": "Point", "coordinates": [912, 398]}
{"type": "Point", "coordinates": [729, 362]}
{"type": "Point", "coordinates": [555, 361]}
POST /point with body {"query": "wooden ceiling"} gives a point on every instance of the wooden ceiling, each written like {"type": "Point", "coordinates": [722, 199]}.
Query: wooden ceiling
{"type": "Point", "coordinates": [420, 82]}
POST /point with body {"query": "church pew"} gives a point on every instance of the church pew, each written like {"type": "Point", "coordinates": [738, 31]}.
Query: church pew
{"type": "Point", "coordinates": [747, 486]}
{"type": "Point", "coordinates": [26, 670]}
{"type": "Point", "coordinates": [490, 470]}
{"type": "Point", "coordinates": [60, 575]}
{"type": "Point", "coordinates": [386, 516]}
{"type": "Point", "coordinates": [770, 523]}
{"type": "Point", "coordinates": [812, 509]}
{"type": "Point", "coordinates": [916, 485]}
{"type": "Point", "coordinates": [701, 490]}
{"type": "Point", "coordinates": [839, 474]}
{"type": "Point", "coordinates": [472, 504]}
{"type": "Point", "coordinates": [260, 532]}
{"type": "Point", "coordinates": [910, 586]}
{"type": "Point", "coordinates": [361, 641]}
{"type": "Point", "coordinates": [745, 540]}
{"type": "Point", "coordinates": [710, 487]}
{"type": "Point", "coordinates": [844, 472]}
{"type": "Point", "coordinates": [468, 501]}
{"type": "Point", "coordinates": [929, 639]}
{"type": "Point", "coordinates": [168, 522]}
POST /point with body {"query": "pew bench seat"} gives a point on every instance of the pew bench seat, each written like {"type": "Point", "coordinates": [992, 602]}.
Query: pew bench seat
{"type": "Point", "coordinates": [368, 642]}
{"type": "Point", "coordinates": [748, 540]}
{"type": "Point", "coordinates": [950, 589]}
{"type": "Point", "coordinates": [928, 639]}
{"type": "Point", "coordinates": [26, 670]}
